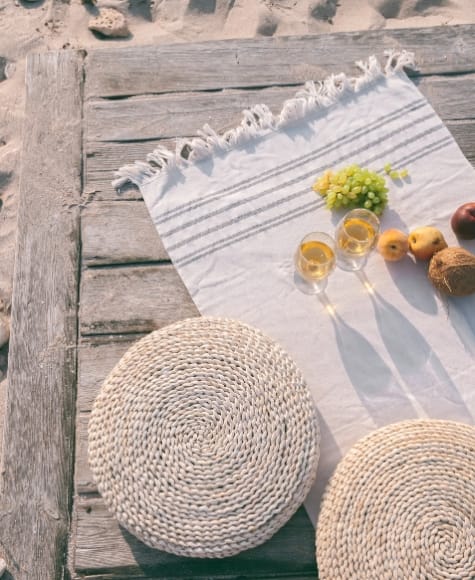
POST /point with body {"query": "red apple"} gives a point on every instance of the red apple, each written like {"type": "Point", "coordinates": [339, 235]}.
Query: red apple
{"type": "Point", "coordinates": [463, 221]}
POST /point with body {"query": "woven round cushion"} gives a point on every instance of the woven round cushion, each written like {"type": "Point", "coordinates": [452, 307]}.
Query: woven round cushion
{"type": "Point", "coordinates": [401, 505]}
{"type": "Point", "coordinates": [203, 441]}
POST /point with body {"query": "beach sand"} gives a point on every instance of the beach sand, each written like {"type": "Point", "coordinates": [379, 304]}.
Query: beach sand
{"type": "Point", "coordinates": [56, 24]}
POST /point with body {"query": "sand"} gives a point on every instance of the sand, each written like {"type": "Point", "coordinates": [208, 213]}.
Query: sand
{"type": "Point", "coordinates": [57, 24]}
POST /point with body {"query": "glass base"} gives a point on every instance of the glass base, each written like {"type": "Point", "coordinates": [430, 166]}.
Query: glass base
{"type": "Point", "coordinates": [308, 287]}
{"type": "Point", "coordinates": [350, 264]}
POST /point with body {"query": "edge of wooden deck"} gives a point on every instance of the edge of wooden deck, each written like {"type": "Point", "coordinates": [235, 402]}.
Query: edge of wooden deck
{"type": "Point", "coordinates": [36, 478]}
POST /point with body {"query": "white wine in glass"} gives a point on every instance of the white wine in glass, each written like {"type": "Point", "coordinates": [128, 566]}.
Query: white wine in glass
{"type": "Point", "coordinates": [314, 262]}
{"type": "Point", "coordinates": [356, 236]}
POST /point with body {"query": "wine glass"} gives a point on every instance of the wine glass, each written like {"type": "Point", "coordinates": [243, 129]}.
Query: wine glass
{"type": "Point", "coordinates": [314, 262]}
{"type": "Point", "coordinates": [356, 236]}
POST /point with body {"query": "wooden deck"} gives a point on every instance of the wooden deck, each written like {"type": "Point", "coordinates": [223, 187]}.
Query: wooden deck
{"type": "Point", "coordinates": [91, 275]}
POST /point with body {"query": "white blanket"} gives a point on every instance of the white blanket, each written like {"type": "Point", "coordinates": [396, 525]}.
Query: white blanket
{"type": "Point", "coordinates": [232, 214]}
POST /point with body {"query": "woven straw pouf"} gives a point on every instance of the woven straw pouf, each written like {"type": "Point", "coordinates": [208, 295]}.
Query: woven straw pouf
{"type": "Point", "coordinates": [203, 441]}
{"type": "Point", "coordinates": [401, 505]}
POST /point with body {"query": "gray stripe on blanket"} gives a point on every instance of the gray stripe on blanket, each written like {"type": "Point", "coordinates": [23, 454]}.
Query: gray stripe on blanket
{"type": "Point", "coordinates": [270, 173]}
{"type": "Point", "coordinates": [295, 180]}
{"type": "Point", "coordinates": [242, 217]}
{"type": "Point", "coordinates": [247, 233]}
{"type": "Point", "coordinates": [291, 214]}
{"type": "Point", "coordinates": [262, 194]}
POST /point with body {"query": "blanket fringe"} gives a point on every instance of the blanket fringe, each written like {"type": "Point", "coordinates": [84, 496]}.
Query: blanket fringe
{"type": "Point", "coordinates": [259, 120]}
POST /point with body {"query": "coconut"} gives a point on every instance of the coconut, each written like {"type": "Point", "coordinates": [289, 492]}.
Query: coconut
{"type": "Point", "coordinates": [452, 271]}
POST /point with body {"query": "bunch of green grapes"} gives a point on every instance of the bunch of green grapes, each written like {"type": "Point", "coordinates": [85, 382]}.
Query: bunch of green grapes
{"type": "Point", "coordinates": [352, 187]}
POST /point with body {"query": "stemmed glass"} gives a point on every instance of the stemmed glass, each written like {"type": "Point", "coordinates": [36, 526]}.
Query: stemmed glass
{"type": "Point", "coordinates": [314, 262]}
{"type": "Point", "coordinates": [356, 236]}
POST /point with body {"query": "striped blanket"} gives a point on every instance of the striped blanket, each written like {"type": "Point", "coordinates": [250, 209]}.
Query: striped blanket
{"type": "Point", "coordinates": [232, 208]}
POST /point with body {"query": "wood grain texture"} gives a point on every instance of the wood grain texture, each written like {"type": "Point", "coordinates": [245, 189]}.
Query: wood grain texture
{"type": "Point", "coordinates": [96, 359]}
{"type": "Point", "coordinates": [181, 115]}
{"type": "Point", "coordinates": [464, 133]}
{"type": "Point", "coordinates": [39, 422]}
{"type": "Point", "coordinates": [132, 299]}
{"type": "Point", "coordinates": [83, 479]}
{"type": "Point", "coordinates": [103, 159]}
{"type": "Point", "coordinates": [176, 115]}
{"type": "Point", "coordinates": [103, 547]}
{"type": "Point", "coordinates": [122, 230]}
{"type": "Point", "coordinates": [264, 62]}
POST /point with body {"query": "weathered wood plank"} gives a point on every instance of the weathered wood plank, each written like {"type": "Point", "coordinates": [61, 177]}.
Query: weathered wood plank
{"type": "Point", "coordinates": [132, 299]}
{"type": "Point", "coordinates": [464, 133]}
{"type": "Point", "coordinates": [96, 358]}
{"type": "Point", "coordinates": [83, 480]}
{"type": "Point", "coordinates": [180, 115]}
{"type": "Point", "coordinates": [175, 115]}
{"type": "Point", "coordinates": [103, 159]}
{"type": "Point", "coordinates": [39, 421]}
{"type": "Point", "coordinates": [105, 548]}
{"type": "Point", "coordinates": [264, 62]}
{"type": "Point", "coordinates": [106, 157]}
{"type": "Point", "coordinates": [449, 95]}
{"type": "Point", "coordinates": [122, 230]}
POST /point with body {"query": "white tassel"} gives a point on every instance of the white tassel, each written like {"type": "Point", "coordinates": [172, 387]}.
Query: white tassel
{"type": "Point", "coordinates": [397, 60]}
{"type": "Point", "coordinates": [372, 71]}
{"type": "Point", "coordinates": [266, 117]}
{"type": "Point", "coordinates": [199, 149]}
{"type": "Point", "coordinates": [310, 94]}
{"type": "Point", "coordinates": [161, 157]}
{"type": "Point", "coordinates": [211, 138]}
{"type": "Point", "coordinates": [136, 173]}
{"type": "Point", "coordinates": [259, 119]}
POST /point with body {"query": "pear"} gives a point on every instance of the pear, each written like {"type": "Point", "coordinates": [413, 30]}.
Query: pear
{"type": "Point", "coordinates": [424, 242]}
{"type": "Point", "coordinates": [393, 245]}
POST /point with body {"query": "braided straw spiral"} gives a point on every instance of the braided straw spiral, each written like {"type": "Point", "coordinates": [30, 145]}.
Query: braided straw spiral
{"type": "Point", "coordinates": [203, 440]}
{"type": "Point", "coordinates": [401, 505]}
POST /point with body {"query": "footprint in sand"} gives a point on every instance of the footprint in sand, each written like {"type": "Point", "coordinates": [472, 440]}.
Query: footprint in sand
{"type": "Point", "coordinates": [267, 25]}
{"type": "Point", "coordinates": [5, 178]}
{"type": "Point", "coordinates": [388, 8]}
{"type": "Point", "coordinates": [324, 10]}
{"type": "Point", "coordinates": [202, 6]}
{"type": "Point", "coordinates": [3, 66]}
{"type": "Point", "coordinates": [406, 8]}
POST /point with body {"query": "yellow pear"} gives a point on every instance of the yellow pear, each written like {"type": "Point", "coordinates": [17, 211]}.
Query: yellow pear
{"type": "Point", "coordinates": [424, 242]}
{"type": "Point", "coordinates": [393, 245]}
